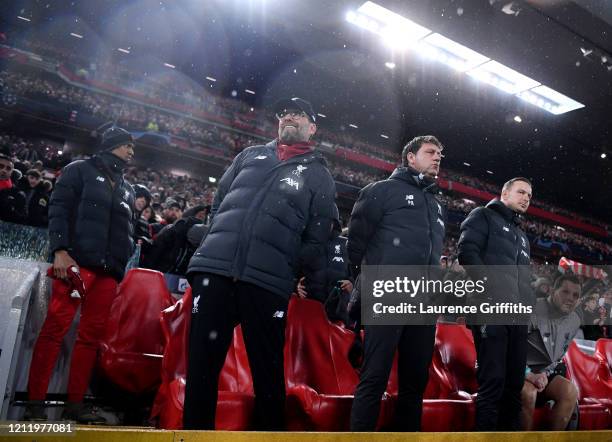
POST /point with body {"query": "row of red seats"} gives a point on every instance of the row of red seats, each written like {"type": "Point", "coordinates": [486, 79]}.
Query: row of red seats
{"type": "Point", "coordinates": [320, 380]}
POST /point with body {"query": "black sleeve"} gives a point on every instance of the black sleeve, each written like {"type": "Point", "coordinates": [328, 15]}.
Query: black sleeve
{"type": "Point", "coordinates": [161, 247]}
{"type": "Point", "coordinates": [225, 183]}
{"type": "Point", "coordinates": [63, 201]}
{"type": "Point", "coordinates": [367, 213]}
{"type": "Point", "coordinates": [473, 238]}
{"type": "Point", "coordinates": [317, 232]}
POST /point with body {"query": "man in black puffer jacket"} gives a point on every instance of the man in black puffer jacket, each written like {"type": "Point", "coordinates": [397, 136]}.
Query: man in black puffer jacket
{"type": "Point", "coordinates": [491, 236]}
{"type": "Point", "coordinates": [90, 229]}
{"type": "Point", "coordinates": [398, 221]}
{"type": "Point", "coordinates": [271, 217]}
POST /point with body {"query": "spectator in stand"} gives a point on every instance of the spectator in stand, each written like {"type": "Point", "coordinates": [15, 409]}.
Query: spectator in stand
{"type": "Point", "coordinates": [141, 202]}
{"type": "Point", "coordinates": [90, 232]}
{"type": "Point", "coordinates": [172, 211]}
{"type": "Point", "coordinates": [37, 198]}
{"type": "Point", "coordinates": [542, 287]}
{"type": "Point", "coordinates": [12, 200]}
{"type": "Point", "coordinates": [170, 252]}
{"type": "Point", "coordinates": [593, 317]}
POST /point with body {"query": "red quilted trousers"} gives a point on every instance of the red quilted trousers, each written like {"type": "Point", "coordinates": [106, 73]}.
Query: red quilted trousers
{"type": "Point", "coordinates": [101, 290]}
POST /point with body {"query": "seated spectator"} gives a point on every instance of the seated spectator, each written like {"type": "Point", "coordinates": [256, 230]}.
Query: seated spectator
{"type": "Point", "coordinates": [553, 327]}
{"type": "Point", "coordinates": [593, 317]}
{"type": "Point", "coordinates": [12, 200]}
{"type": "Point", "coordinates": [37, 198]}
{"type": "Point", "coordinates": [171, 212]}
{"type": "Point", "coordinates": [170, 252]}
{"type": "Point", "coordinates": [141, 202]}
{"type": "Point", "coordinates": [542, 287]}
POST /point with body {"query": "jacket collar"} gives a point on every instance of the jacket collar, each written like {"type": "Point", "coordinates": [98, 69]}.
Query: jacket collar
{"type": "Point", "coordinates": [415, 178]}
{"type": "Point", "coordinates": [309, 157]}
{"type": "Point", "coordinates": [507, 213]}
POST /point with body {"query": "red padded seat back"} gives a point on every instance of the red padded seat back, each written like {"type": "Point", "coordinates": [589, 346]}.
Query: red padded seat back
{"type": "Point", "coordinates": [455, 358]}
{"type": "Point", "coordinates": [316, 350]}
{"type": "Point", "coordinates": [134, 336]}
{"type": "Point", "coordinates": [589, 375]}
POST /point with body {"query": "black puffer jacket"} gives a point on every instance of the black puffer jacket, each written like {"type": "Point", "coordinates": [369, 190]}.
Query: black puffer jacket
{"type": "Point", "coordinates": [89, 218]}
{"type": "Point", "coordinates": [37, 200]}
{"type": "Point", "coordinates": [491, 236]}
{"type": "Point", "coordinates": [13, 205]}
{"type": "Point", "coordinates": [397, 221]}
{"type": "Point", "coordinates": [269, 219]}
{"type": "Point", "coordinates": [336, 267]}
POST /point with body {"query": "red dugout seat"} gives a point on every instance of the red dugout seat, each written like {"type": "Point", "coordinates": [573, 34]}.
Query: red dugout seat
{"type": "Point", "coordinates": [236, 398]}
{"type": "Point", "coordinates": [131, 352]}
{"type": "Point", "coordinates": [591, 375]}
{"type": "Point", "coordinates": [603, 350]}
{"type": "Point", "coordinates": [319, 377]}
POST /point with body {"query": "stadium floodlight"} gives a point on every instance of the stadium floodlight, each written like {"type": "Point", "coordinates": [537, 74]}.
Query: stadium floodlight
{"type": "Point", "coordinates": [550, 100]}
{"type": "Point", "coordinates": [322, 115]}
{"type": "Point", "coordinates": [23, 18]}
{"type": "Point", "coordinates": [450, 53]}
{"type": "Point", "coordinates": [397, 31]}
{"type": "Point", "coordinates": [212, 179]}
{"type": "Point", "coordinates": [390, 65]}
{"type": "Point", "coordinates": [502, 77]}
{"type": "Point", "coordinates": [125, 51]}
{"type": "Point", "coordinates": [168, 65]}
{"type": "Point", "coordinates": [249, 91]}
{"type": "Point", "coordinates": [211, 79]}
{"type": "Point", "coordinates": [354, 126]}
{"type": "Point", "coordinates": [386, 137]}
{"type": "Point", "coordinates": [76, 35]}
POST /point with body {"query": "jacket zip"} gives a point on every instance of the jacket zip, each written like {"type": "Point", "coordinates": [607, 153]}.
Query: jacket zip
{"type": "Point", "coordinates": [238, 263]}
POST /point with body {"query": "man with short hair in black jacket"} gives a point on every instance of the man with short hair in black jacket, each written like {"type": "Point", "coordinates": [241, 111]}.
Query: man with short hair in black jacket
{"type": "Point", "coordinates": [491, 236]}
{"type": "Point", "coordinates": [271, 217]}
{"type": "Point", "coordinates": [90, 232]}
{"type": "Point", "coordinates": [398, 221]}
{"type": "Point", "coordinates": [37, 198]}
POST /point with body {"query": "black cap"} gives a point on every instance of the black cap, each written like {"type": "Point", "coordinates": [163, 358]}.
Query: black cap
{"type": "Point", "coordinates": [295, 103]}
{"type": "Point", "coordinates": [142, 191]}
{"type": "Point", "coordinates": [115, 137]}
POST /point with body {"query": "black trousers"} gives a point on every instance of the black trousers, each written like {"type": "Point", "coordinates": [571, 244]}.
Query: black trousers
{"type": "Point", "coordinates": [415, 344]}
{"type": "Point", "coordinates": [219, 304]}
{"type": "Point", "coordinates": [501, 352]}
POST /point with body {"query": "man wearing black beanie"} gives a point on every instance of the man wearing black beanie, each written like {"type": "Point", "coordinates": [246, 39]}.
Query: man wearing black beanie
{"type": "Point", "coordinates": [90, 232]}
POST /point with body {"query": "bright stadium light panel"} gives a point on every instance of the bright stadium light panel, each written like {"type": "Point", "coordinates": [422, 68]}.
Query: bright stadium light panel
{"type": "Point", "coordinates": [502, 77]}
{"type": "Point", "coordinates": [550, 100]}
{"type": "Point", "coordinates": [401, 33]}
{"type": "Point", "coordinates": [445, 50]}
{"type": "Point", "coordinates": [396, 31]}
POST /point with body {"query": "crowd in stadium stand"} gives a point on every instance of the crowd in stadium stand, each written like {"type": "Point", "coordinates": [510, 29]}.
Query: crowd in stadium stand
{"type": "Point", "coordinates": [139, 117]}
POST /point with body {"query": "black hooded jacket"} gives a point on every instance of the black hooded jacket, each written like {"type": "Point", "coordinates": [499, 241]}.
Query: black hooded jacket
{"type": "Point", "coordinates": [270, 219]}
{"type": "Point", "coordinates": [90, 214]}
{"type": "Point", "coordinates": [397, 221]}
{"type": "Point", "coordinates": [491, 236]}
